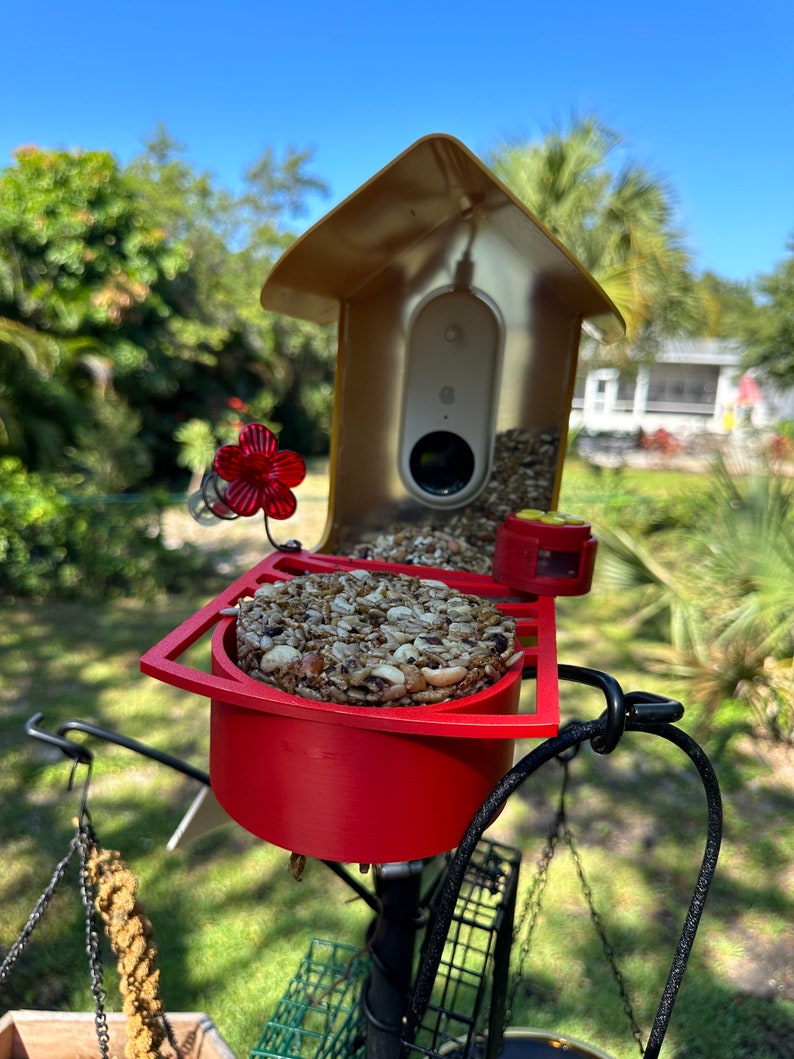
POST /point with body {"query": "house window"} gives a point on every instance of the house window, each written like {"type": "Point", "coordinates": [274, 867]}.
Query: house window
{"type": "Point", "coordinates": [671, 386]}
{"type": "Point", "coordinates": [627, 385]}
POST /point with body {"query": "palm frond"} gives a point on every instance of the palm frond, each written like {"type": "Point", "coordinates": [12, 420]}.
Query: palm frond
{"type": "Point", "coordinates": [628, 565]}
{"type": "Point", "coordinates": [39, 352]}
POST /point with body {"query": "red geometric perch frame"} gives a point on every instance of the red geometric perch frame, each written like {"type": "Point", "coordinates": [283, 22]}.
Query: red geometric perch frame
{"type": "Point", "coordinates": [535, 630]}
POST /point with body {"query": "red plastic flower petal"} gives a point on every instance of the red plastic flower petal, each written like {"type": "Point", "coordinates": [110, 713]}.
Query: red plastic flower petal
{"type": "Point", "coordinates": [259, 476]}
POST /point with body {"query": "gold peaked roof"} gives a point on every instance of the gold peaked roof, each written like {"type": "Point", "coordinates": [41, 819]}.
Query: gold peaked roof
{"type": "Point", "coordinates": [434, 182]}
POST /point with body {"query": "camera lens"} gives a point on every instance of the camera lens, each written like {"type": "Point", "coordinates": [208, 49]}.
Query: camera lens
{"type": "Point", "coordinates": [441, 463]}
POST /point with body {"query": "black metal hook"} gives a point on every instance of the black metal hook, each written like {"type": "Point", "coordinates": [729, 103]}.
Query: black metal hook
{"type": "Point", "coordinates": [642, 707]}
{"type": "Point", "coordinates": [136, 747]}
{"type": "Point", "coordinates": [79, 754]}
{"type": "Point", "coordinates": [618, 704]}
{"type": "Point", "coordinates": [602, 743]}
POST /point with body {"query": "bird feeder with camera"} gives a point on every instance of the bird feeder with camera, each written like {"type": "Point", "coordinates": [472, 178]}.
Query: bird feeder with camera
{"type": "Point", "coordinates": [459, 318]}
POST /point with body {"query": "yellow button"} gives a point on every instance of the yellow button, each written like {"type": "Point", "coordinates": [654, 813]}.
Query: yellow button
{"type": "Point", "coordinates": [572, 520]}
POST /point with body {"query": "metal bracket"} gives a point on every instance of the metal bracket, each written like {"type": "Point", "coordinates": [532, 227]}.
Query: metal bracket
{"type": "Point", "coordinates": [80, 754]}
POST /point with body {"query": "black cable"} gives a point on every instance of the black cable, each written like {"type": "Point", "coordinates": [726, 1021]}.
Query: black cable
{"type": "Point", "coordinates": [573, 735]}
{"type": "Point", "coordinates": [707, 869]}
{"type": "Point", "coordinates": [137, 747]}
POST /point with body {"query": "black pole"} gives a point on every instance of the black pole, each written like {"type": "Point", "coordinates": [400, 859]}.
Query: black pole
{"type": "Point", "coordinates": [391, 942]}
{"type": "Point", "coordinates": [708, 866]}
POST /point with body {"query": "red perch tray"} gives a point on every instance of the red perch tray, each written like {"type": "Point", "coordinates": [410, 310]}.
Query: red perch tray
{"type": "Point", "coordinates": [352, 783]}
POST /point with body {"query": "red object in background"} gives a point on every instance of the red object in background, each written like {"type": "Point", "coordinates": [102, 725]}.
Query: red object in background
{"type": "Point", "coordinates": [351, 783]}
{"type": "Point", "coordinates": [545, 553]}
{"type": "Point", "coordinates": [748, 392]}
{"type": "Point", "coordinates": [661, 441]}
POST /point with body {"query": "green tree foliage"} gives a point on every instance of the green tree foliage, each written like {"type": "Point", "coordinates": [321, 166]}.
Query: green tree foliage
{"type": "Point", "coordinates": [131, 342]}
{"type": "Point", "coordinates": [769, 332]}
{"type": "Point", "coordinates": [618, 220]}
{"type": "Point", "coordinates": [728, 306]}
{"type": "Point", "coordinates": [129, 304]}
{"type": "Point", "coordinates": [81, 256]}
{"type": "Point", "coordinates": [37, 407]}
{"type": "Point", "coordinates": [55, 542]}
{"type": "Point", "coordinates": [248, 355]}
{"type": "Point", "coordinates": [84, 299]}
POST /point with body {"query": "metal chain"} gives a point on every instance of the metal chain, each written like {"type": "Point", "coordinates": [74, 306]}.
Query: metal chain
{"type": "Point", "coordinates": [83, 841]}
{"type": "Point", "coordinates": [88, 895]}
{"type": "Point", "coordinates": [606, 945]}
{"type": "Point", "coordinates": [39, 909]}
{"type": "Point", "coordinates": [527, 921]}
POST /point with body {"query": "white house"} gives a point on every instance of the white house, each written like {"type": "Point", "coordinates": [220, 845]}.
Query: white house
{"type": "Point", "coordinates": [694, 386]}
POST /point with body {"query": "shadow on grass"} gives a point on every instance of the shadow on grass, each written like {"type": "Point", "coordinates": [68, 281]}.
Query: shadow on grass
{"type": "Point", "coordinates": [710, 1019]}
{"type": "Point", "coordinates": [226, 912]}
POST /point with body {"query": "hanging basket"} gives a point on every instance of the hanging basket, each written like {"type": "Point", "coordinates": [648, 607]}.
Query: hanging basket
{"type": "Point", "coordinates": [350, 783]}
{"type": "Point", "coordinates": [72, 1035]}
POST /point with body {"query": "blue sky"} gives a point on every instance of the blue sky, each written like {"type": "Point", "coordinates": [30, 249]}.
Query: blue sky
{"type": "Point", "coordinates": [702, 92]}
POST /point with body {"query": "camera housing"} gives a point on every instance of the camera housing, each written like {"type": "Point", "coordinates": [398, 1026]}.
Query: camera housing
{"type": "Point", "coordinates": [449, 400]}
{"type": "Point", "coordinates": [418, 420]}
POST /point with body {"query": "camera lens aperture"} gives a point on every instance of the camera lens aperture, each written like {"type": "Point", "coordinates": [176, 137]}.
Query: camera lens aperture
{"type": "Point", "coordinates": [442, 463]}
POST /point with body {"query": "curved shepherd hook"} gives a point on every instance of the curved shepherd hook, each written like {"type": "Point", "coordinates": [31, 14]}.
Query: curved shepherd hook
{"type": "Point", "coordinates": [643, 712]}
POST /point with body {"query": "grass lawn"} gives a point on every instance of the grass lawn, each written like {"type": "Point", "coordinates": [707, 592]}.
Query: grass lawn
{"type": "Point", "coordinates": [230, 921]}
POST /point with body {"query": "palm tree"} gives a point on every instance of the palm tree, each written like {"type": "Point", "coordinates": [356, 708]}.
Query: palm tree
{"type": "Point", "coordinates": [619, 222]}
{"type": "Point", "coordinates": [29, 404]}
{"type": "Point", "coordinates": [730, 632]}
{"type": "Point", "coordinates": [47, 386]}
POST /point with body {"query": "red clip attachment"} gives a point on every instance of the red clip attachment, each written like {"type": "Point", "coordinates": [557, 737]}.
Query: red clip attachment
{"type": "Point", "coordinates": [547, 553]}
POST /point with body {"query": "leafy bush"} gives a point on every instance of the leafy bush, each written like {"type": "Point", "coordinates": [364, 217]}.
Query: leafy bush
{"type": "Point", "coordinates": [87, 546]}
{"type": "Point", "coordinates": [32, 529]}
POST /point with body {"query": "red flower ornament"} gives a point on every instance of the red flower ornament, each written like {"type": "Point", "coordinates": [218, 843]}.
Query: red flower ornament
{"type": "Point", "coordinates": [259, 476]}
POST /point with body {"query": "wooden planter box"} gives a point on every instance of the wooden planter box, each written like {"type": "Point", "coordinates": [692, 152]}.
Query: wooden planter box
{"type": "Point", "coordinates": [72, 1035]}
